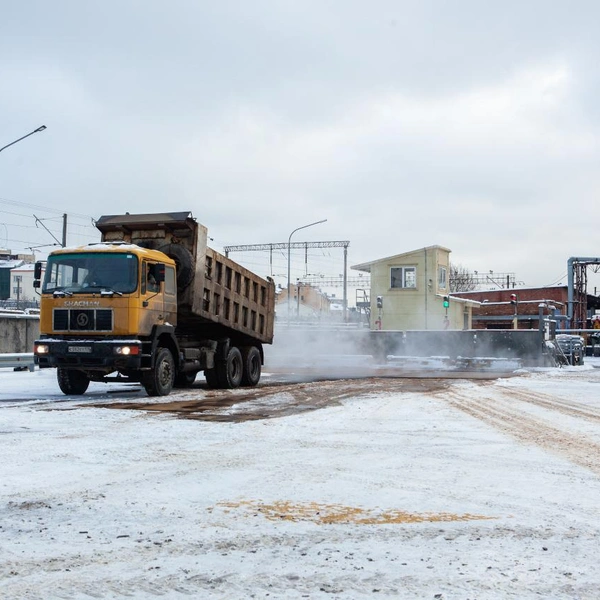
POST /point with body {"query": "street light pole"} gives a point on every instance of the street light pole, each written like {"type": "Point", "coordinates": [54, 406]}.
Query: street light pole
{"type": "Point", "coordinates": [41, 128]}
{"type": "Point", "coordinates": [289, 263]}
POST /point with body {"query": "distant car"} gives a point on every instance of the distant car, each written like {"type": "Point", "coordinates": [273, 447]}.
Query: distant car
{"type": "Point", "coordinates": [593, 344]}
{"type": "Point", "coordinates": [572, 347]}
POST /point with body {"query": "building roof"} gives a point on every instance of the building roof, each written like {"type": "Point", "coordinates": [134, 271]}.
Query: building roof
{"type": "Point", "coordinates": [24, 267]}
{"type": "Point", "coordinates": [10, 263]}
{"type": "Point", "coordinates": [367, 266]}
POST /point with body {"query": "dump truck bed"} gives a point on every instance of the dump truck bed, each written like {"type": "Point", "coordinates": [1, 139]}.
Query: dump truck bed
{"type": "Point", "coordinates": [212, 289]}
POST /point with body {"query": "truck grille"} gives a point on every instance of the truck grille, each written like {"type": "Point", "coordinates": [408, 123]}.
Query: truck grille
{"type": "Point", "coordinates": [82, 320]}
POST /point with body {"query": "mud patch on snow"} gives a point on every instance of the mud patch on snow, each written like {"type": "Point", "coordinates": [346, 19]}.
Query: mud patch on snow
{"type": "Point", "coordinates": [274, 399]}
{"type": "Point", "coordinates": [327, 514]}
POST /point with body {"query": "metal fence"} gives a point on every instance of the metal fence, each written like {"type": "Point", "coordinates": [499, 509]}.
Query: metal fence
{"type": "Point", "coordinates": [18, 361]}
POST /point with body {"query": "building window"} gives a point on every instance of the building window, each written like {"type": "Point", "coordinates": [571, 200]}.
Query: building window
{"type": "Point", "coordinates": [403, 277]}
{"type": "Point", "coordinates": [442, 271]}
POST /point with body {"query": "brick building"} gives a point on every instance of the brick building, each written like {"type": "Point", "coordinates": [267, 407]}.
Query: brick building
{"type": "Point", "coordinates": [496, 311]}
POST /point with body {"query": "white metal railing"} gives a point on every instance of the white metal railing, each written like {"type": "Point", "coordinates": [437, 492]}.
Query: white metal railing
{"type": "Point", "coordinates": [22, 360]}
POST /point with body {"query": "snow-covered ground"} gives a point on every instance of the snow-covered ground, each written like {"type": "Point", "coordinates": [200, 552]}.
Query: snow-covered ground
{"type": "Point", "coordinates": [473, 489]}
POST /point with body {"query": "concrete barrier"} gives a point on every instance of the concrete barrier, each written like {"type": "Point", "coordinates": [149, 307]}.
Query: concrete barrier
{"type": "Point", "coordinates": [18, 332]}
{"type": "Point", "coordinates": [523, 345]}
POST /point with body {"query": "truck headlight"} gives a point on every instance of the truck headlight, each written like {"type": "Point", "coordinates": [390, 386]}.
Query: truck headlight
{"type": "Point", "coordinates": [41, 349]}
{"type": "Point", "coordinates": [127, 350]}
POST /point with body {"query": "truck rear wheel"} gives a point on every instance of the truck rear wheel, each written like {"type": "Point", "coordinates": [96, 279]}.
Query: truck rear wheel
{"type": "Point", "coordinates": [72, 382]}
{"type": "Point", "coordinates": [212, 379]}
{"type": "Point", "coordinates": [252, 364]}
{"type": "Point", "coordinates": [159, 381]}
{"type": "Point", "coordinates": [231, 370]}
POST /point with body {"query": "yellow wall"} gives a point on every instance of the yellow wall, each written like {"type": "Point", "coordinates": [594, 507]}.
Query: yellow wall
{"type": "Point", "coordinates": [416, 308]}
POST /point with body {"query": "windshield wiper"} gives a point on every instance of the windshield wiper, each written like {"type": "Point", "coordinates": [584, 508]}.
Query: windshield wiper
{"type": "Point", "coordinates": [61, 293]}
{"type": "Point", "coordinates": [110, 292]}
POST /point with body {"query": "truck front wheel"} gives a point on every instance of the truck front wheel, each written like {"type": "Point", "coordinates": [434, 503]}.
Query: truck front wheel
{"type": "Point", "coordinates": [72, 382]}
{"type": "Point", "coordinates": [252, 364]}
{"type": "Point", "coordinates": [231, 370]}
{"type": "Point", "coordinates": [159, 381]}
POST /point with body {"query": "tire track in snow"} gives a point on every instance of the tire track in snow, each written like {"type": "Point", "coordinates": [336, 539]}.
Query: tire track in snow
{"type": "Point", "coordinates": [501, 410]}
{"type": "Point", "coordinates": [566, 407]}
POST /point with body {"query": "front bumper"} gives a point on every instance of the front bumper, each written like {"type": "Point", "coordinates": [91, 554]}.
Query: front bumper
{"type": "Point", "coordinates": [90, 355]}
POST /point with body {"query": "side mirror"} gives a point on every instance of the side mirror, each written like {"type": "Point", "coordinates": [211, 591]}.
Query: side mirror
{"type": "Point", "coordinates": [159, 273]}
{"type": "Point", "coordinates": [37, 271]}
{"type": "Point", "coordinates": [37, 283]}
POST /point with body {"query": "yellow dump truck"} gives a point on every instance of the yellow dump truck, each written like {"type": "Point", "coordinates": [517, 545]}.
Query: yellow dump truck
{"type": "Point", "coordinates": [152, 303]}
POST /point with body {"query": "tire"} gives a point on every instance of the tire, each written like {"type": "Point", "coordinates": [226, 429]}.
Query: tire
{"type": "Point", "coordinates": [160, 380]}
{"type": "Point", "coordinates": [251, 364]}
{"type": "Point", "coordinates": [185, 380]}
{"type": "Point", "coordinates": [150, 244]}
{"type": "Point", "coordinates": [72, 382]}
{"type": "Point", "coordinates": [231, 370]}
{"type": "Point", "coordinates": [184, 262]}
{"type": "Point", "coordinates": [212, 379]}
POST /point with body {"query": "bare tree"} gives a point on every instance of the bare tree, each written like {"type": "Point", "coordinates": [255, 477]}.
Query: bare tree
{"type": "Point", "coordinates": [461, 279]}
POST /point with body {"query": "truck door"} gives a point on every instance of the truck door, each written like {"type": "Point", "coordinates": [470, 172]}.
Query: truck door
{"type": "Point", "coordinates": [170, 295]}
{"type": "Point", "coordinates": [153, 298]}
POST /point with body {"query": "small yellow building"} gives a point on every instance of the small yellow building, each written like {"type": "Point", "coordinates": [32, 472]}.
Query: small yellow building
{"type": "Point", "coordinates": [410, 290]}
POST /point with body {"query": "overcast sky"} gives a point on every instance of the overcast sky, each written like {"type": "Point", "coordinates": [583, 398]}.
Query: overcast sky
{"type": "Point", "coordinates": [472, 125]}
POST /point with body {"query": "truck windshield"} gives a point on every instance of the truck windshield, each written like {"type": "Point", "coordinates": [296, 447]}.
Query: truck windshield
{"type": "Point", "coordinates": [87, 272]}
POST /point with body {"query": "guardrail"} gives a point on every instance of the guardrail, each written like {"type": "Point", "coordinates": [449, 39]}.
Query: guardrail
{"type": "Point", "coordinates": [21, 361]}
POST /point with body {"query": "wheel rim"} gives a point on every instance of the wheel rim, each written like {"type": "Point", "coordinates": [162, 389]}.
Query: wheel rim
{"type": "Point", "coordinates": [235, 368]}
{"type": "Point", "coordinates": [165, 373]}
{"type": "Point", "coordinates": [254, 366]}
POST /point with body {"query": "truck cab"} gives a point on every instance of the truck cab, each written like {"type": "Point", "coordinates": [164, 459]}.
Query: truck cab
{"type": "Point", "coordinates": [103, 306]}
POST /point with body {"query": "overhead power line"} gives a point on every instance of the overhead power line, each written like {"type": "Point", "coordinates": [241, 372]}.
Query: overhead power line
{"type": "Point", "coordinates": [336, 281]}
{"type": "Point", "coordinates": [40, 207]}
{"type": "Point", "coordinates": [288, 246]}
{"type": "Point", "coordinates": [284, 246]}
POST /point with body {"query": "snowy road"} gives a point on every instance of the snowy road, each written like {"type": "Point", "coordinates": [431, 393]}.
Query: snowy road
{"type": "Point", "coordinates": [399, 488]}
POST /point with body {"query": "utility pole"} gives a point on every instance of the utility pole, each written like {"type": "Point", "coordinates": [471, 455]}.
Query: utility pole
{"type": "Point", "coordinates": [515, 303]}
{"type": "Point", "coordinates": [64, 231]}
{"type": "Point", "coordinates": [18, 279]}
{"type": "Point", "coordinates": [345, 301]}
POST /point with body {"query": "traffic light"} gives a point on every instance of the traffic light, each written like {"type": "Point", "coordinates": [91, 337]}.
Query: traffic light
{"type": "Point", "coordinates": [513, 299]}
{"type": "Point", "coordinates": [446, 301]}
{"type": "Point", "coordinates": [379, 301]}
